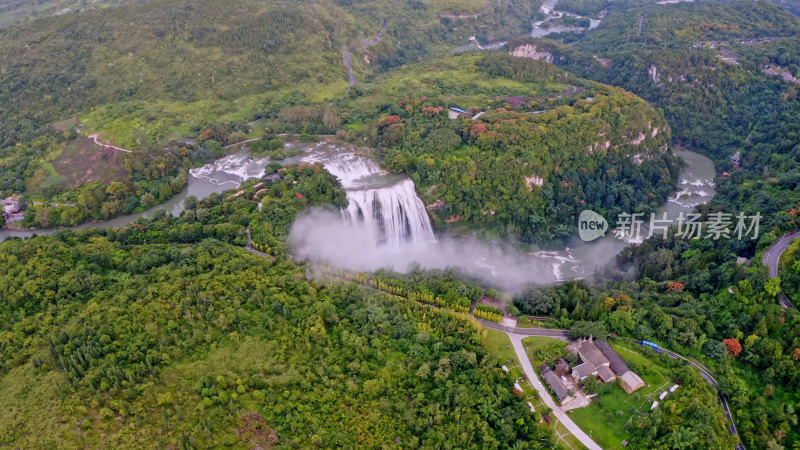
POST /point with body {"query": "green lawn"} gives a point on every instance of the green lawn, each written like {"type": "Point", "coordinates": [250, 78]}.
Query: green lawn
{"type": "Point", "coordinates": [607, 414]}
{"type": "Point", "coordinates": [498, 344]}
{"type": "Point", "coordinates": [534, 343]}
{"type": "Point", "coordinates": [543, 349]}
{"type": "Point", "coordinates": [537, 324]}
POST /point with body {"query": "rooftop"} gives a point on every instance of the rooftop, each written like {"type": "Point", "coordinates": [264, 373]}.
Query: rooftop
{"type": "Point", "coordinates": [605, 374]}
{"type": "Point", "coordinates": [590, 353]}
{"type": "Point", "coordinates": [615, 361]}
{"type": "Point", "coordinates": [584, 370]}
{"type": "Point", "coordinates": [555, 384]}
{"type": "Point", "coordinates": [631, 381]}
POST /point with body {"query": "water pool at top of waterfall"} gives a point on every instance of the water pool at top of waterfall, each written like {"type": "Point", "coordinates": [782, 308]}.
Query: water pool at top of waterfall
{"type": "Point", "coordinates": [386, 205]}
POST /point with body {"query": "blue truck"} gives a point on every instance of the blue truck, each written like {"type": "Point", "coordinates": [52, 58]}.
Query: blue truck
{"type": "Point", "coordinates": [652, 345]}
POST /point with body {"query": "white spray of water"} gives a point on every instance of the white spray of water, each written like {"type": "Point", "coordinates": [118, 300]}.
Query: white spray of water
{"type": "Point", "coordinates": [388, 207]}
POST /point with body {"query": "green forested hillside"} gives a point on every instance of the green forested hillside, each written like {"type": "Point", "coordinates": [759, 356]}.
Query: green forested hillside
{"type": "Point", "coordinates": [715, 106]}
{"type": "Point", "coordinates": [546, 145]}
{"type": "Point", "coordinates": [191, 51]}
{"type": "Point", "coordinates": [141, 73]}
{"type": "Point", "coordinates": [694, 296]}
{"type": "Point", "coordinates": [165, 332]}
{"type": "Point", "coordinates": [175, 345]}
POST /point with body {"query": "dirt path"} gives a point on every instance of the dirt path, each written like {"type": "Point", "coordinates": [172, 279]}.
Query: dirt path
{"type": "Point", "coordinates": [96, 138]}
{"type": "Point", "coordinates": [362, 45]}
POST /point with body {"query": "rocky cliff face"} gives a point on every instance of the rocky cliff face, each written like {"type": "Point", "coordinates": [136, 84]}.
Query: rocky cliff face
{"type": "Point", "coordinates": [530, 51]}
{"type": "Point", "coordinates": [653, 72]}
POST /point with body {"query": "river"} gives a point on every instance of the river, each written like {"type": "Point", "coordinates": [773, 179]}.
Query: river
{"type": "Point", "coordinates": [219, 176]}
{"type": "Point", "coordinates": [539, 28]}
{"type": "Point", "coordinates": [387, 225]}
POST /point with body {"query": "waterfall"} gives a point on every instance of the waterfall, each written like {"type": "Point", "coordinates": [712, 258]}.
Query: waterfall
{"type": "Point", "coordinates": [394, 214]}
{"type": "Point", "coordinates": [386, 206]}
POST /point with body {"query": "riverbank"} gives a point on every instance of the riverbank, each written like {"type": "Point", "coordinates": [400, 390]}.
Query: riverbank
{"type": "Point", "coordinates": [357, 248]}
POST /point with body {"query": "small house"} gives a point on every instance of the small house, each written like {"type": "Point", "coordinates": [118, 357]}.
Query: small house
{"type": "Point", "coordinates": [12, 210]}
{"type": "Point", "coordinates": [630, 381]}
{"type": "Point", "coordinates": [454, 113]}
{"type": "Point", "coordinates": [562, 368]}
{"type": "Point", "coordinates": [555, 383]}
{"type": "Point", "coordinates": [605, 374]}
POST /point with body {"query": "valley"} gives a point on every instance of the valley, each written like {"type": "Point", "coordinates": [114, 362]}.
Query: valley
{"type": "Point", "coordinates": [360, 223]}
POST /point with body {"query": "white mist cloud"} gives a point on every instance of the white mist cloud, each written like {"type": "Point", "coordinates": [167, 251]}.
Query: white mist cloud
{"type": "Point", "coordinates": [319, 235]}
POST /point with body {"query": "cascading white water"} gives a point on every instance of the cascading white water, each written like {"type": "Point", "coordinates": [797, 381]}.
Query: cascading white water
{"type": "Point", "coordinates": [386, 206]}
{"type": "Point", "coordinates": [394, 214]}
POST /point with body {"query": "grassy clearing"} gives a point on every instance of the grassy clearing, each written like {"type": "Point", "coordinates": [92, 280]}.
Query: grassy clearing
{"type": "Point", "coordinates": [537, 324]}
{"type": "Point", "coordinates": [133, 124]}
{"type": "Point", "coordinates": [498, 344]}
{"type": "Point", "coordinates": [136, 123]}
{"type": "Point", "coordinates": [455, 79]}
{"type": "Point", "coordinates": [606, 415]}
{"type": "Point", "coordinates": [456, 6]}
{"type": "Point", "coordinates": [534, 343]}
{"type": "Point", "coordinates": [76, 163]}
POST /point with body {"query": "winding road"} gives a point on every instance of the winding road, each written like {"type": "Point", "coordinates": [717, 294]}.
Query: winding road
{"type": "Point", "coordinates": [363, 44]}
{"type": "Point", "coordinates": [772, 258]}
{"type": "Point", "coordinates": [518, 334]}
{"type": "Point", "coordinates": [709, 378]}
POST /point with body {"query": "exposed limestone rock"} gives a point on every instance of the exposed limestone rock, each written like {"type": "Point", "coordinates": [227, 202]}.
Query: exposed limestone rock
{"type": "Point", "coordinates": [535, 180]}
{"type": "Point", "coordinates": [529, 51]}
{"type": "Point", "coordinates": [638, 139]}
{"type": "Point", "coordinates": [653, 71]}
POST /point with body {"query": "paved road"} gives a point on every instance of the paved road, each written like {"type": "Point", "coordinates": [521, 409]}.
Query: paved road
{"type": "Point", "coordinates": [525, 331]}
{"type": "Point", "coordinates": [772, 258]}
{"type": "Point", "coordinates": [517, 334]}
{"type": "Point", "coordinates": [516, 342]}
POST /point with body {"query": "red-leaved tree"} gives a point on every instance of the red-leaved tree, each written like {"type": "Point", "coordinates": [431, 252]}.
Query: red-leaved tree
{"type": "Point", "coordinates": [734, 347]}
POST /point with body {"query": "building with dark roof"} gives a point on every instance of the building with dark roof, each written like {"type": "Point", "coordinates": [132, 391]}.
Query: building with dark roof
{"type": "Point", "coordinates": [555, 383]}
{"type": "Point", "coordinates": [616, 362]}
{"type": "Point", "coordinates": [590, 353]}
{"type": "Point", "coordinates": [562, 367]}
